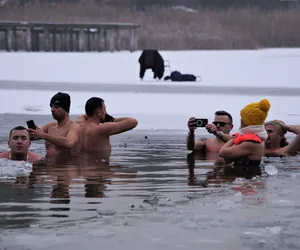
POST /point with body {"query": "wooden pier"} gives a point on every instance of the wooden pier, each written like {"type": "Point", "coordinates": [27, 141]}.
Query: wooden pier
{"type": "Point", "coordinates": [32, 36]}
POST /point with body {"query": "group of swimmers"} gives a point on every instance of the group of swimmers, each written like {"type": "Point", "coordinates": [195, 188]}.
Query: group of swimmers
{"type": "Point", "coordinates": [88, 133]}
{"type": "Point", "coordinates": [256, 138]}
{"type": "Point", "coordinates": [91, 132]}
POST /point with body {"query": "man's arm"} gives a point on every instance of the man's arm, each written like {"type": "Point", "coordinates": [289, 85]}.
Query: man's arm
{"type": "Point", "coordinates": [223, 137]}
{"type": "Point", "coordinates": [292, 148]}
{"type": "Point", "coordinates": [67, 141]}
{"type": "Point", "coordinates": [44, 129]}
{"type": "Point", "coordinates": [116, 127]}
{"type": "Point", "coordinates": [191, 144]}
{"type": "Point", "coordinates": [294, 129]}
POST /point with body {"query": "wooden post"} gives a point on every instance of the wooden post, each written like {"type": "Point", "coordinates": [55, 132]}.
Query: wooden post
{"type": "Point", "coordinates": [8, 35]}
{"type": "Point", "coordinates": [99, 39]}
{"type": "Point", "coordinates": [93, 33]}
{"type": "Point", "coordinates": [62, 40]}
{"type": "Point", "coordinates": [118, 39]}
{"type": "Point", "coordinates": [35, 39]}
{"type": "Point", "coordinates": [110, 38]}
{"type": "Point", "coordinates": [46, 39]}
{"type": "Point", "coordinates": [67, 42]}
{"type": "Point", "coordinates": [81, 40]}
{"type": "Point", "coordinates": [28, 39]}
{"type": "Point", "coordinates": [15, 39]}
{"type": "Point", "coordinates": [54, 40]}
{"type": "Point", "coordinates": [76, 41]}
{"type": "Point", "coordinates": [88, 33]}
{"type": "Point", "coordinates": [71, 47]}
{"type": "Point", "coordinates": [133, 40]}
{"type": "Point", "coordinates": [104, 39]}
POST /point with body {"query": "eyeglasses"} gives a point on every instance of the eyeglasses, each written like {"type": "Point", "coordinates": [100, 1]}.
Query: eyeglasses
{"type": "Point", "coordinates": [222, 124]}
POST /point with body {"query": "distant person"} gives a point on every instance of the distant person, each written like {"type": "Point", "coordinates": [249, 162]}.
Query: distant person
{"type": "Point", "coordinates": [19, 144]}
{"type": "Point", "coordinates": [151, 59]}
{"type": "Point", "coordinates": [96, 129]}
{"type": "Point", "coordinates": [277, 144]}
{"type": "Point", "coordinates": [62, 136]}
{"type": "Point", "coordinates": [246, 149]}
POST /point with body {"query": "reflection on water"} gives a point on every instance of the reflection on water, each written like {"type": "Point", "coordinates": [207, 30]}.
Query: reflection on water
{"type": "Point", "coordinates": [151, 194]}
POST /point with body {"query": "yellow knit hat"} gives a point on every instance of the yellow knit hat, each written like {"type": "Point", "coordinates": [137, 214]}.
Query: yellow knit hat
{"type": "Point", "coordinates": [255, 113]}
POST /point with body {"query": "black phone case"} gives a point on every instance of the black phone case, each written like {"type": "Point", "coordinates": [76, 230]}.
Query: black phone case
{"type": "Point", "coordinates": [108, 118]}
{"type": "Point", "coordinates": [30, 124]}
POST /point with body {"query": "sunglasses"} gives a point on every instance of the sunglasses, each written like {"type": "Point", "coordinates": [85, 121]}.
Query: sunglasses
{"type": "Point", "coordinates": [222, 124]}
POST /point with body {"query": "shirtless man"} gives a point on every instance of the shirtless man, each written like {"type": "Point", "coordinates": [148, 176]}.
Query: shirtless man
{"type": "Point", "coordinates": [61, 137]}
{"type": "Point", "coordinates": [19, 143]}
{"type": "Point", "coordinates": [95, 132]}
{"type": "Point", "coordinates": [220, 127]}
{"type": "Point", "coordinates": [276, 144]}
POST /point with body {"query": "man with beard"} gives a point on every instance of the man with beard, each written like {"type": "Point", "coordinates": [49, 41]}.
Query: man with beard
{"type": "Point", "coordinates": [61, 137]}
{"type": "Point", "coordinates": [19, 143]}
{"type": "Point", "coordinates": [96, 132]}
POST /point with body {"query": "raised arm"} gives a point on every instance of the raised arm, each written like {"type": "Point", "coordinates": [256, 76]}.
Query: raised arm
{"type": "Point", "coordinates": [119, 125]}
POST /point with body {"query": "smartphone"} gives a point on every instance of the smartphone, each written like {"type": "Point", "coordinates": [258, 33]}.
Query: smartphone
{"type": "Point", "coordinates": [201, 122]}
{"type": "Point", "coordinates": [30, 124]}
{"type": "Point", "coordinates": [108, 118]}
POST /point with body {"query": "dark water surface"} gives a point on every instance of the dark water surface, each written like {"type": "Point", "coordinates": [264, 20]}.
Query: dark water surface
{"type": "Point", "coordinates": [153, 195]}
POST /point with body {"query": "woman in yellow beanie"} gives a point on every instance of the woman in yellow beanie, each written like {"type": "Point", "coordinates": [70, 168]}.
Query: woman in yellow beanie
{"type": "Point", "coordinates": [247, 147]}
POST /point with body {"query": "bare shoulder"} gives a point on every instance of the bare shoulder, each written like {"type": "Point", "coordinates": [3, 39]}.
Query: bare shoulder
{"type": "Point", "coordinates": [4, 154]}
{"type": "Point", "coordinates": [75, 125]}
{"type": "Point", "coordinates": [34, 156]}
{"type": "Point", "coordinates": [49, 125]}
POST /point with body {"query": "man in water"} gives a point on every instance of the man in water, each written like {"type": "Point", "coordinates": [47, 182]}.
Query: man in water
{"type": "Point", "coordinates": [61, 137]}
{"type": "Point", "coordinates": [276, 143]}
{"type": "Point", "coordinates": [19, 143]}
{"type": "Point", "coordinates": [220, 127]}
{"type": "Point", "coordinates": [96, 131]}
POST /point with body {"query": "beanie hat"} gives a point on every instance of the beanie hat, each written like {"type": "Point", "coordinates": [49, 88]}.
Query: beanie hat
{"type": "Point", "coordinates": [61, 100]}
{"type": "Point", "coordinates": [255, 113]}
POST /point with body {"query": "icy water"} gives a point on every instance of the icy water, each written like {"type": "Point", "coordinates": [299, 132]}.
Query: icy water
{"type": "Point", "coordinates": [153, 194]}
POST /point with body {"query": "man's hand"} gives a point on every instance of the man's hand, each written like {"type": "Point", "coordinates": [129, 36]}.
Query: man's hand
{"type": "Point", "coordinates": [285, 127]}
{"type": "Point", "coordinates": [212, 129]}
{"type": "Point", "coordinates": [36, 133]}
{"type": "Point", "coordinates": [81, 119]}
{"type": "Point", "coordinates": [192, 124]}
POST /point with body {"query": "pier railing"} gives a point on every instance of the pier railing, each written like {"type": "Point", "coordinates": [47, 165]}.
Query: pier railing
{"type": "Point", "coordinates": [33, 36]}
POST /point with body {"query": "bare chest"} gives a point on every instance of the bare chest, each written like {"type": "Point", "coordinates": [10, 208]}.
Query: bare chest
{"type": "Point", "coordinates": [213, 145]}
{"type": "Point", "coordinates": [58, 132]}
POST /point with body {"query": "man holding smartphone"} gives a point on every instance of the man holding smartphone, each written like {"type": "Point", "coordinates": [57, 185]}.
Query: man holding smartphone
{"type": "Point", "coordinates": [220, 127]}
{"type": "Point", "coordinates": [97, 126]}
{"type": "Point", "coordinates": [61, 137]}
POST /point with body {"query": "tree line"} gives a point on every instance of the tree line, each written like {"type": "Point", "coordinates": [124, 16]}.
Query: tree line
{"type": "Point", "coordinates": [214, 4]}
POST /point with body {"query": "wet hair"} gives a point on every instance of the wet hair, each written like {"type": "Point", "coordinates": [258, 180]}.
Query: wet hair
{"type": "Point", "coordinates": [17, 128]}
{"type": "Point", "coordinates": [92, 104]}
{"type": "Point", "coordinates": [279, 129]}
{"type": "Point", "coordinates": [223, 112]}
